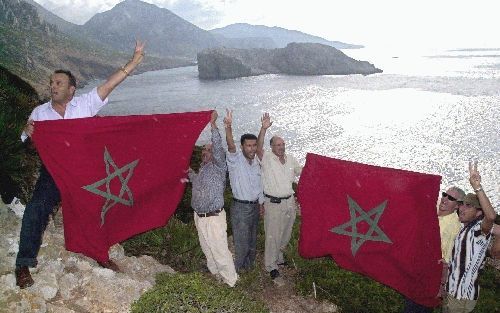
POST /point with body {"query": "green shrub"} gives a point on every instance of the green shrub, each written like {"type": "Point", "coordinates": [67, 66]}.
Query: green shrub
{"type": "Point", "coordinates": [489, 294]}
{"type": "Point", "coordinates": [194, 292]}
{"type": "Point", "coordinates": [18, 162]}
{"type": "Point", "coordinates": [176, 244]}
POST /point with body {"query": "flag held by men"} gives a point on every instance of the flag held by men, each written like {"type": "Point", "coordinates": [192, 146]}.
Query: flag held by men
{"type": "Point", "coordinates": [379, 222]}
{"type": "Point", "coordinates": [118, 175]}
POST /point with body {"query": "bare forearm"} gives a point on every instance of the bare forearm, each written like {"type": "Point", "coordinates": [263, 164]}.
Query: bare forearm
{"type": "Point", "coordinates": [488, 210]}
{"type": "Point", "coordinates": [231, 147]}
{"type": "Point", "coordinates": [115, 79]}
{"type": "Point", "coordinates": [260, 142]}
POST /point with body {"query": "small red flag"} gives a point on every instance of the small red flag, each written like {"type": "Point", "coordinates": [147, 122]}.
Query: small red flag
{"type": "Point", "coordinates": [118, 175]}
{"type": "Point", "coordinates": [379, 222]}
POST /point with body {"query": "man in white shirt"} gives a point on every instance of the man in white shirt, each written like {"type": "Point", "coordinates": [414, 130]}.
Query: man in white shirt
{"type": "Point", "coordinates": [63, 105]}
{"type": "Point", "coordinates": [246, 186]}
{"type": "Point", "coordinates": [279, 171]}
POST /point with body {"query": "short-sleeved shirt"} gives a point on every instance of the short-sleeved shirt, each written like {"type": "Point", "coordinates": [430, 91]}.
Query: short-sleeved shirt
{"type": "Point", "coordinates": [85, 105]}
{"type": "Point", "coordinates": [449, 226]}
{"type": "Point", "coordinates": [245, 178]}
{"type": "Point", "coordinates": [469, 253]}
{"type": "Point", "coordinates": [277, 178]}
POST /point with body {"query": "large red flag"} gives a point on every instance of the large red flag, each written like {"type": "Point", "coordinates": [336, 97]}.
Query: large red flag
{"type": "Point", "coordinates": [379, 222]}
{"type": "Point", "coordinates": [119, 175]}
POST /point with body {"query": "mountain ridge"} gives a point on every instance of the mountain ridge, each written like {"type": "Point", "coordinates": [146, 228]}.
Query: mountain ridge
{"type": "Point", "coordinates": [281, 36]}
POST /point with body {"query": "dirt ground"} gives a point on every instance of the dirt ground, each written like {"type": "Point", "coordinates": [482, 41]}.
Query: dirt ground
{"type": "Point", "coordinates": [279, 294]}
{"type": "Point", "coordinates": [281, 297]}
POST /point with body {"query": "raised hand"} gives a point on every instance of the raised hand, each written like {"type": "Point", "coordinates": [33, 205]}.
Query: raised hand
{"type": "Point", "coordinates": [138, 52]}
{"type": "Point", "coordinates": [29, 128]}
{"type": "Point", "coordinates": [228, 120]}
{"type": "Point", "coordinates": [266, 121]}
{"type": "Point", "coordinates": [474, 177]}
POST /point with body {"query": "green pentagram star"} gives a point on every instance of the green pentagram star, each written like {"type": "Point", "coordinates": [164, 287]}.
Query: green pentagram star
{"type": "Point", "coordinates": [112, 199]}
{"type": "Point", "coordinates": [357, 239]}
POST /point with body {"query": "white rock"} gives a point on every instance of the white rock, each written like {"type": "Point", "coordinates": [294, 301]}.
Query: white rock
{"type": "Point", "coordinates": [17, 207]}
{"type": "Point", "coordinates": [67, 286]}
{"type": "Point", "coordinates": [7, 282]}
{"type": "Point", "coordinates": [67, 282]}
{"type": "Point", "coordinates": [45, 284]}
{"type": "Point", "coordinates": [103, 272]}
{"type": "Point", "coordinates": [53, 308]}
{"type": "Point", "coordinates": [83, 265]}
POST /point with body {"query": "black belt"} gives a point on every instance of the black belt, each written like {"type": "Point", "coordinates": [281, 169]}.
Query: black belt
{"type": "Point", "coordinates": [213, 213]}
{"type": "Point", "coordinates": [276, 199]}
{"type": "Point", "coordinates": [246, 201]}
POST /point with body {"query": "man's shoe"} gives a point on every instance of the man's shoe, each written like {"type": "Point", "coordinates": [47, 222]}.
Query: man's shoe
{"type": "Point", "coordinates": [23, 277]}
{"type": "Point", "coordinates": [110, 265]}
{"type": "Point", "coordinates": [274, 274]}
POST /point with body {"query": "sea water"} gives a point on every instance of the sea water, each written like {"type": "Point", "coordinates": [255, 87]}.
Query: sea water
{"type": "Point", "coordinates": [430, 111]}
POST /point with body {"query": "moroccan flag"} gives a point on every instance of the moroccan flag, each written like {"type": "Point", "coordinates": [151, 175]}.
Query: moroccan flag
{"type": "Point", "coordinates": [379, 222]}
{"type": "Point", "coordinates": [118, 175]}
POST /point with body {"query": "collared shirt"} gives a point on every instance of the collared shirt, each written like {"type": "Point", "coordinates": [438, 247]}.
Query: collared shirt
{"type": "Point", "coordinates": [277, 178]}
{"type": "Point", "coordinates": [468, 255]}
{"type": "Point", "coordinates": [210, 182]}
{"type": "Point", "coordinates": [245, 178]}
{"type": "Point", "coordinates": [85, 105]}
{"type": "Point", "coordinates": [449, 226]}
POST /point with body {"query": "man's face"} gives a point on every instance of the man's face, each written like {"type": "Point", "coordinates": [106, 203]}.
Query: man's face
{"type": "Point", "coordinates": [249, 148]}
{"type": "Point", "coordinates": [60, 89]}
{"type": "Point", "coordinates": [206, 153]}
{"type": "Point", "coordinates": [467, 213]}
{"type": "Point", "coordinates": [448, 205]}
{"type": "Point", "coordinates": [278, 146]}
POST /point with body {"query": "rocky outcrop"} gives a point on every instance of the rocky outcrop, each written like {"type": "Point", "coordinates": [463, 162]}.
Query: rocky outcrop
{"type": "Point", "coordinates": [66, 281]}
{"type": "Point", "coordinates": [294, 59]}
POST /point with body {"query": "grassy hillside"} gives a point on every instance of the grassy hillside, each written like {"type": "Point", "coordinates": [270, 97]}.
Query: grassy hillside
{"type": "Point", "coordinates": [32, 49]}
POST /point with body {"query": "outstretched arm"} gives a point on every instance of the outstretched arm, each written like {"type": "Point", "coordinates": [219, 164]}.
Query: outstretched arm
{"type": "Point", "coordinates": [488, 211]}
{"type": "Point", "coordinates": [217, 150]}
{"type": "Point", "coordinates": [266, 123]}
{"type": "Point", "coordinates": [117, 77]}
{"type": "Point", "coordinates": [228, 121]}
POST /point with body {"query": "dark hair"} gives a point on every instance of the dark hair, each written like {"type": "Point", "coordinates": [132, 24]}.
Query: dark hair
{"type": "Point", "coordinates": [247, 137]}
{"type": "Point", "coordinates": [71, 77]}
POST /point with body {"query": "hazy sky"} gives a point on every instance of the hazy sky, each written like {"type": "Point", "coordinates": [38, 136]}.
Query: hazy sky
{"type": "Point", "coordinates": [387, 23]}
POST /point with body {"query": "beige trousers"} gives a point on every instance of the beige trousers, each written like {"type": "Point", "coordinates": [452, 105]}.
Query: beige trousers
{"type": "Point", "coordinates": [453, 305]}
{"type": "Point", "coordinates": [278, 225]}
{"type": "Point", "coordinates": [212, 233]}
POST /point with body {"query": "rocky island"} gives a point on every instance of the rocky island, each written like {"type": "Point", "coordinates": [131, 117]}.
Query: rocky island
{"type": "Point", "coordinates": [294, 59]}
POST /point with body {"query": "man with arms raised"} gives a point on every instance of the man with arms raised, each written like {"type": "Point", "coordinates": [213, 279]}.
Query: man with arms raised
{"type": "Point", "coordinates": [63, 105]}
{"type": "Point", "coordinates": [469, 251]}
{"type": "Point", "coordinates": [208, 203]}
{"type": "Point", "coordinates": [246, 185]}
{"type": "Point", "coordinates": [278, 173]}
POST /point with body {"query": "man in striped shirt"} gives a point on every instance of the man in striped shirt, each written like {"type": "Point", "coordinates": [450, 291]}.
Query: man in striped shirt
{"type": "Point", "coordinates": [469, 251]}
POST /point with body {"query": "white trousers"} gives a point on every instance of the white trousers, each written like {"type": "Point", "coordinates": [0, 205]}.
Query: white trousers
{"type": "Point", "coordinates": [212, 233]}
{"type": "Point", "coordinates": [278, 225]}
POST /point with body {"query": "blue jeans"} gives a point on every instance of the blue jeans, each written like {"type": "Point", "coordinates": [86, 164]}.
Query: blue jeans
{"type": "Point", "coordinates": [413, 307]}
{"type": "Point", "coordinates": [244, 221]}
{"type": "Point", "coordinates": [36, 216]}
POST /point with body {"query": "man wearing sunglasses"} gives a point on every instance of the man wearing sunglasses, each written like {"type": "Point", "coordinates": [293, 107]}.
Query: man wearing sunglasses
{"type": "Point", "coordinates": [469, 251]}
{"type": "Point", "coordinates": [449, 226]}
